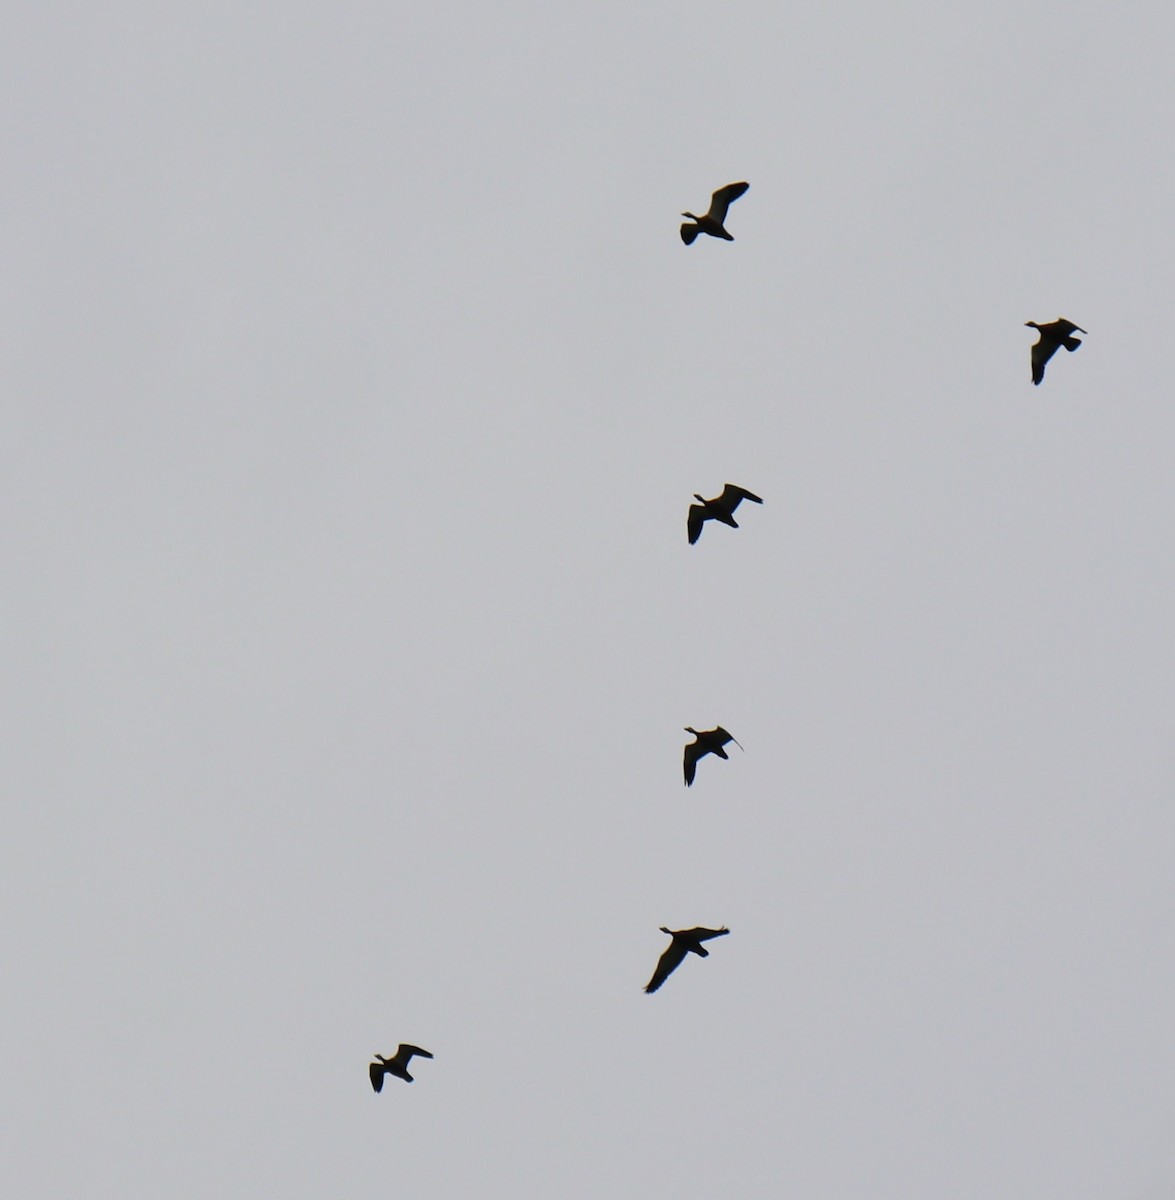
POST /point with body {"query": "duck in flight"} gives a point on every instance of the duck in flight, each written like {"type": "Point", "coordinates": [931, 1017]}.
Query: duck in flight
{"type": "Point", "coordinates": [721, 508]}
{"type": "Point", "coordinates": [712, 221]}
{"type": "Point", "coordinates": [1053, 336]}
{"type": "Point", "coordinates": [708, 741]}
{"type": "Point", "coordinates": [685, 941]}
{"type": "Point", "coordinates": [396, 1065]}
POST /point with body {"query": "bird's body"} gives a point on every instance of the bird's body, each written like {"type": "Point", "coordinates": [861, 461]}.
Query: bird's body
{"type": "Point", "coordinates": [396, 1065]}
{"type": "Point", "coordinates": [713, 221]}
{"type": "Point", "coordinates": [708, 741]}
{"type": "Point", "coordinates": [685, 941]}
{"type": "Point", "coordinates": [1053, 336]}
{"type": "Point", "coordinates": [721, 508]}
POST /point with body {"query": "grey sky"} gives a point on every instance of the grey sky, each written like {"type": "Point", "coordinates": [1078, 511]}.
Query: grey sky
{"type": "Point", "coordinates": [358, 383]}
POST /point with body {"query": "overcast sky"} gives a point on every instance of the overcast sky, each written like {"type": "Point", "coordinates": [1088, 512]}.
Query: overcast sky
{"type": "Point", "coordinates": [357, 384]}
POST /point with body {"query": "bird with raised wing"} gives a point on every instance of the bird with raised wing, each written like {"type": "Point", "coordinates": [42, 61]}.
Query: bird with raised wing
{"type": "Point", "coordinates": [396, 1065]}
{"type": "Point", "coordinates": [712, 222]}
{"type": "Point", "coordinates": [721, 508]}
{"type": "Point", "coordinates": [685, 941]}
{"type": "Point", "coordinates": [1053, 335]}
{"type": "Point", "coordinates": [708, 741]}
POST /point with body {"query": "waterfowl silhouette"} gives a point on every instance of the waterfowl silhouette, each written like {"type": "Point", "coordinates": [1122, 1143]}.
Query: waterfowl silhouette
{"type": "Point", "coordinates": [721, 508]}
{"type": "Point", "coordinates": [396, 1065]}
{"type": "Point", "coordinates": [1053, 336]}
{"type": "Point", "coordinates": [685, 941]}
{"type": "Point", "coordinates": [712, 221]}
{"type": "Point", "coordinates": [709, 741]}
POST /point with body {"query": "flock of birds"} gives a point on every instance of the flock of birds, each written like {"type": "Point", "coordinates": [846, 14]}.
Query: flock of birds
{"type": "Point", "coordinates": [1053, 335]}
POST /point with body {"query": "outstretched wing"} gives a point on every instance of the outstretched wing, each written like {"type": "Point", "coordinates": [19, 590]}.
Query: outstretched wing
{"type": "Point", "coordinates": [729, 737]}
{"type": "Point", "coordinates": [376, 1072]}
{"type": "Point", "coordinates": [723, 198]}
{"type": "Point", "coordinates": [695, 521]}
{"type": "Point", "coordinates": [733, 495]}
{"type": "Point", "coordinates": [690, 762]}
{"type": "Point", "coordinates": [1041, 353]}
{"type": "Point", "coordinates": [668, 963]}
{"type": "Point", "coordinates": [405, 1052]}
{"type": "Point", "coordinates": [701, 934]}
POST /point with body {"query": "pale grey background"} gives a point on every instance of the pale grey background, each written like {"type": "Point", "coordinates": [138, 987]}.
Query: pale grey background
{"type": "Point", "coordinates": [356, 386]}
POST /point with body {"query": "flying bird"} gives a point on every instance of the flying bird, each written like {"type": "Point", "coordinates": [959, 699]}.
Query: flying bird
{"type": "Point", "coordinates": [685, 941]}
{"type": "Point", "coordinates": [1053, 336]}
{"type": "Point", "coordinates": [711, 222]}
{"type": "Point", "coordinates": [709, 741]}
{"type": "Point", "coordinates": [396, 1065]}
{"type": "Point", "coordinates": [721, 508]}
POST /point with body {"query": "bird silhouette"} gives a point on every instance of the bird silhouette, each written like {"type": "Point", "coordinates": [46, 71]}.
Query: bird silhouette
{"type": "Point", "coordinates": [708, 741]}
{"type": "Point", "coordinates": [685, 941]}
{"type": "Point", "coordinates": [721, 508]}
{"type": "Point", "coordinates": [1053, 336]}
{"type": "Point", "coordinates": [712, 221]}
{"type": "Point", "coordinates": [396, 1065]}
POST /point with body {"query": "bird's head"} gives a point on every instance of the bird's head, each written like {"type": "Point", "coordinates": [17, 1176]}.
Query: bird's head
{"type": "Point", "coordinates": [699, 498]}
{"type": "Point", "coordinates": [691, 216]}
{"type": "Point", "coordinates": [1031, 324]}
{"type": "Point", "coordinates": [665, 930]}
{"type": "Point", "coordinates": [691, 729]}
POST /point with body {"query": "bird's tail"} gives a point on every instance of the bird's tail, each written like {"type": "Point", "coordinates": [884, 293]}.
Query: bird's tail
{"type": "Point", "coordinates": [1071, 343]}
{"type": "Point", "coordinates": [688, 233]}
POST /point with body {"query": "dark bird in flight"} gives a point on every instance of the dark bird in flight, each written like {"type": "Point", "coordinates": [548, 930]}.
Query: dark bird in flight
{"type": "Point", "coordinates": [1053, 336]}
{"type": "Point", "coordinates": [709, 741]}
{"type": "Point", "coordinates": [721, 508]}
{"type": "Point", "coordinates": [396, 1065]}
{"type": "Point", "coordinates": [711, 222]}
{"type": "Point", "coordinates": [685, 941]}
